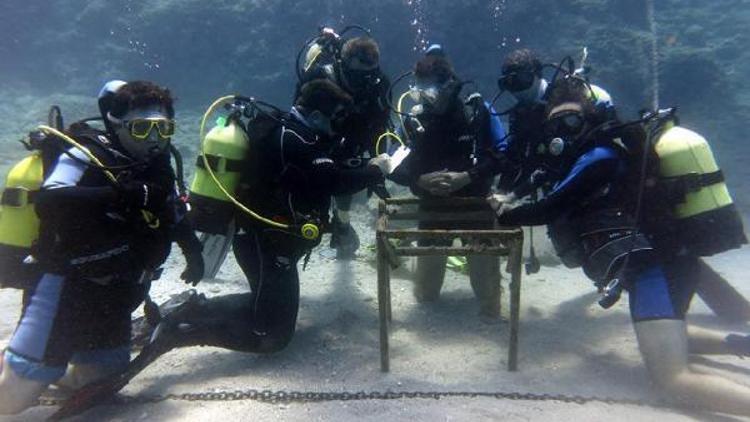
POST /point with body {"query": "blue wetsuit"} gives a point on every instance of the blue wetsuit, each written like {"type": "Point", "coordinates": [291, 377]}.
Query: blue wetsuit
{"type": "Point", "coordinates": [589, 210]}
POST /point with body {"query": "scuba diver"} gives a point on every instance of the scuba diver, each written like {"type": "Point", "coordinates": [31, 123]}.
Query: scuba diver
{"type": "Point", "coordinates": [521, 76]}
{"type": "Point", "coordinates": [354, 65]}
{"type": "Point", "coordinates": [291, 181]}
{"type": "Point", "coordinates": [452, 142]}
{"type": "Point", "coordinates": [108, 211]}
{"type": "Point", "coordinates": [608, 177]}
{"type": "Point", "coordinates": [525, 153]}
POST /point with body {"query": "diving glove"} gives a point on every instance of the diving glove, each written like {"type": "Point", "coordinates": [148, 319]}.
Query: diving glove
{"type": "Point", "coordinates": [194, 268]}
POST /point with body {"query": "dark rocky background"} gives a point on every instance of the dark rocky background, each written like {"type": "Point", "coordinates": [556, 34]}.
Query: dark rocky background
{"type": "Point", "coordinates": [203, 49]}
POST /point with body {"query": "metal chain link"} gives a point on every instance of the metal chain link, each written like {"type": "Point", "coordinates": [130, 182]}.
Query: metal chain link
{"type": "Point", "coordinates": [282, 396]}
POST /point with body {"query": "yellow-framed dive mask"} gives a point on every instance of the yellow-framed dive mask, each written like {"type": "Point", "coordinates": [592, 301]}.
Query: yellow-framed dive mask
{"type": "Point", "coordinates": [141, 129]}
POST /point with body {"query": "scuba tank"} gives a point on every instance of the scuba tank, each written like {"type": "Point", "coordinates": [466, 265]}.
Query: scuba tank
{"type": "Point", "coordinates": [705, 219]}
{"type": "Point", "coordinates": [226, 156]}
{"type": "Point", "coordinates": [225, 149]}
{"type": "Point", "coordinates": [19, 224]}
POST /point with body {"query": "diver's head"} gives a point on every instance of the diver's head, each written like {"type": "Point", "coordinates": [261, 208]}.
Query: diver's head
{"type": "Point", "coordinates": [142, 119]}
{"type": "Point", "coordinates": [360, 64]}
{"type": "Point", "coordinates": [325, 106]}
{"type": "Point", "coordinates": [437, 86]}
{"type": "Point", "coordinates": [570, 114]}
{"type": "Point", "coordinates": [522, 76]}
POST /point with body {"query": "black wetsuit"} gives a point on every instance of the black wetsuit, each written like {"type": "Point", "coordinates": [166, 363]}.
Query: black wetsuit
{"type": "Point", "coordinates": [294, 184]}
{"type": "Point", "coordinates": [467, 138]}
{"type": "Point", "coordinates": [369, 118]}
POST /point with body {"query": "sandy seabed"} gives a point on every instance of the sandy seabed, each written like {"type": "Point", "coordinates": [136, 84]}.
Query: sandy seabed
{"type": "Point", "coordinates": [569, 345]}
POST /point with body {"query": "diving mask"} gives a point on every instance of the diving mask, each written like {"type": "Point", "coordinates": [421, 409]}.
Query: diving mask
{"type": "Point", "coordinates": [143, 133]}
{"type": "Point", "coordinates": [566, 123]}
{"type": "Point", "coordinates": [516, 81]}
{"type": "Point", "coordinates": [142, 128]}
{"type": "Point", "coordinates": [328, 125]}
{"type": "Point", "coordinates": [359, 74]}
{"type": "Point", "coordinates": [424, 94]}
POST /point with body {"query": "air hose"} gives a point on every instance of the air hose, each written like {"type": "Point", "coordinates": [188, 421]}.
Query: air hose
{"type": "Point", "coordinates": [54, 132]}
{"type": "Point", "coordinates": [385, 135]}
{"type": "Point", "coordinates": [308, 231]}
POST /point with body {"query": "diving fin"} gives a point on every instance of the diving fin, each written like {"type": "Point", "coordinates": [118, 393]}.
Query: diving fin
{"type": "Point", "coordinates": [95, 393]}
{"type": "Point", "coordinates": [723, 299]}
{"type": "Point", "coordinates": [215, 250]}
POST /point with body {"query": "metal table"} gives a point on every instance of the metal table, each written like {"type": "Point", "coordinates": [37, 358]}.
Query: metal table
{"type": "Point", "coordinates": [500, 242]}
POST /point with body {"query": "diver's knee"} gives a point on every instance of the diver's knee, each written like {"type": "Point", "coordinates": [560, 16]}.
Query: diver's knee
{"type": "Point", "coordinates": [674, 385]}
{"type": "Point", "coordinates": [17, 393]}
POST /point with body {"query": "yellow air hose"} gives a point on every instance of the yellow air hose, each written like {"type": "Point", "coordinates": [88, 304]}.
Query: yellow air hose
{"type": "Point", "coordinates": [54, 132]}
{"type": "Point", "coordinates": [386, 135]}
{"type": "Point", "coordinates": [308, 231]}
{"type": "Point", "coordinates": [150, 219]}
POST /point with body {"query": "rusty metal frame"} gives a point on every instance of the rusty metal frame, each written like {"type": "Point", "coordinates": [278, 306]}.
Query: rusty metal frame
{"type": "Point", "coordinates": [500, 242]}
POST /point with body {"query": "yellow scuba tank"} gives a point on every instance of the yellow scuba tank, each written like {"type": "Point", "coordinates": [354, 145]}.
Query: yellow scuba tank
{"type": "Point", "coordinates": [706, 220]}
{"type": "Point", "coordinates": [19, 224]}
{"type": "Point", "coordinates": [226, 148]}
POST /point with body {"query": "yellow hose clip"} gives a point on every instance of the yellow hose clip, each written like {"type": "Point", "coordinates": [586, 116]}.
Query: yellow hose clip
{"type": "Point", "coordinates": [310, 231]}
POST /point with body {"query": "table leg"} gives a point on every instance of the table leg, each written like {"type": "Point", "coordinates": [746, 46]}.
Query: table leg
{"type": "Point", "coordinates": [383, 305]}
{"type": "Point", "coordinates": [515, 258]}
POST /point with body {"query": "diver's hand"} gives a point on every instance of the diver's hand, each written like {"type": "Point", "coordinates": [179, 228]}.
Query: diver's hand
{"type": "Point", "coordinates": [388, 163]}
{"type": "Point", "coordinates": [382, 162]}
{"type": "Point", "coordinates": [431, 181]}
{"type": "Point", "coordinates": [451, 182]}
{"type": "Point", "coordinates": [501, 203]}
{"type": "Point", "coordinates": [194, 268]}
{"type": "Point", "coordinates": [140, 195]}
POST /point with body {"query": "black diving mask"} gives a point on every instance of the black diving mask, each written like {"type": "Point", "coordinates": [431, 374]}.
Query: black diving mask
{"type": "Point", "coordinates": [566, 124]}
{"type": "Point", "coordinates": [516, 81]}
{"type": "Point", "coordinates": [360, 75]}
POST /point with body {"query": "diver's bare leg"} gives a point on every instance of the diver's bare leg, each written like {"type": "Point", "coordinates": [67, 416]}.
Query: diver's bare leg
{"type": "Point", "coordinates": [664, 347]}
{"type": "Point", "coordinates": [17, 394]}
{"type": "Point", "coordinates": [702, 341]}
{"type": "Point", "coordinates": [79, 375]}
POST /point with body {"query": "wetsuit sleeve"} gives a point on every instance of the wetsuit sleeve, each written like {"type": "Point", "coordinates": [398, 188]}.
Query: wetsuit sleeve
{"type": "Point", "coordinates": [590, 172]}
{"type": "Point", "coordinates": [322, 176]}
{"type": "Point", "coordinates": [184, 235]}
{"type": "Point", "coordinates": [60, 191]}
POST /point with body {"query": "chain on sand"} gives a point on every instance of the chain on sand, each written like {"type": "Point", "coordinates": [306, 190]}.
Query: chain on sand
{"type": "Point", "coordinates": [280, 397]}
